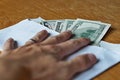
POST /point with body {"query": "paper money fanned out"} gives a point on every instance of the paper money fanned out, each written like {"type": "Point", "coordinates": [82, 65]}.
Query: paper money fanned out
{"type": "Point", "coordinates": [94, 30]}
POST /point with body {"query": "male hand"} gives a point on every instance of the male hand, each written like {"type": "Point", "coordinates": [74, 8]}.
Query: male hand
{"type": "Point", "coordinates": [44, 57]}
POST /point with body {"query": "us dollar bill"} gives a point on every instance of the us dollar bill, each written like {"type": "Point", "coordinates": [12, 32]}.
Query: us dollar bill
{"type": "Point", "coordinates": [50, 24]}
{"type": "Point", "coordinates": [89, 29]}
{"type": "Point", "coordinates": [94, 30]}
{"type": "Point", "coordinates": [67, 24]}
{"type": "Point", "coordinates": [58, 26]}
{"type": "Point", "coordinates": [47, 23]}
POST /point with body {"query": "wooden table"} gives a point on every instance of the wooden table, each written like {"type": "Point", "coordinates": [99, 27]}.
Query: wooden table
{"type": "Point", "coordinates": [13, 11]}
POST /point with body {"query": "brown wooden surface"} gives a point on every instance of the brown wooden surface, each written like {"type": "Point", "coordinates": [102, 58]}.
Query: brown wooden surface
{"type": "Point", "coordinates": [13, 11]}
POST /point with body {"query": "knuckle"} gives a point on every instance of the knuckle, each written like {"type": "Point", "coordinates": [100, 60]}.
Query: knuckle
{"type": "Point", "coordinates": [57, 38]}
{"type": "Point", "coordinates": [36, 45]}
{"type": "Point", "coordinates": [55, 48]}
{"type": "Point", "coordinates": [55, 51]}
{"type": "Point", "coordinates": [84, 40]}
{"type": "Point", "coordinates": [37, 37]}
{"type": "Point", "coordinates": [75, 42]}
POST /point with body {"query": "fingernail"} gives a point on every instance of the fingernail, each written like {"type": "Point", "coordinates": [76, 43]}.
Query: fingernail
{"type": "Point", "coordinates": [85, 40]}
{"type": "Point", "coordinates": [92, 57]}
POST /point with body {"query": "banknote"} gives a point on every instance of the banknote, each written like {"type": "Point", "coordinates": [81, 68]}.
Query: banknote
{"type": "Point", "coordinates": [67, 24]}
{"type": "Point", "coordinates": [58, 25]}
{"type": "Point", "coordinates": [89, 29]}
{"type": "Point", "coordinates": [50, 24]}
{"type": "Point", "coordinates": [81, 28]}
{"type": "Point", "coordinates": [89, 20]}
{"type": "Point", "coordinates": [47, 23]}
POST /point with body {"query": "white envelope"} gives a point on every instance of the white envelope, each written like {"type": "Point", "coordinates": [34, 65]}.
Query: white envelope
{"type": "Point", "coordinates": [110, 46]}
{"type": "Point", "coordinates": [25, 29]}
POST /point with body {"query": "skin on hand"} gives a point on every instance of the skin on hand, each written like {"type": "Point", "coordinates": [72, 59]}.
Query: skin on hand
{"type": "Point", "coordinates": [44, 58]}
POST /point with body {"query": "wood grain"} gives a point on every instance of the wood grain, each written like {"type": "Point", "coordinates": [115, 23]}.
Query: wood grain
{"type": "Point", "coordinates": [13, 11]}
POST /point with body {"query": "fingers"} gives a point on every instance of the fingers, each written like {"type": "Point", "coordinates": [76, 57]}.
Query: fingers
{"type": "Point", "coordinates": [71, 46]}
{"type": "Point", "coordinates": [81, 63]}
{"type": "Point", "coordinates": [40, 36]}
{"type": "Point", "coordinates": [59, 38]}
{"type": "Point", "coordinates": [10, 44]}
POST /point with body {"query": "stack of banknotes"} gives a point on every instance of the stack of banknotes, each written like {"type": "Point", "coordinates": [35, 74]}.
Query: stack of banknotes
{"type": "Point", "coordinates": [94, 30]}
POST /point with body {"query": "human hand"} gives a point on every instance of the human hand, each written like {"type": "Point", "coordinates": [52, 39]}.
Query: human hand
{"type": "Point", "coordinates": [44, 57]}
